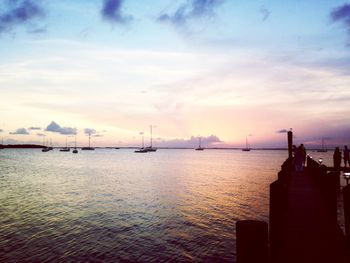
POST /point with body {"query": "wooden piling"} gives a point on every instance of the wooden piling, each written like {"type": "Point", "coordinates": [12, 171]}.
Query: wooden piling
{"type": "Point", "coordinates": [252, 241]}
{"type": "Point", "coordinates": [278, 204]}
{"type": "Point", "coordinates": [290, 144]}
{"type": "Point", "coordinates": [329, 190]}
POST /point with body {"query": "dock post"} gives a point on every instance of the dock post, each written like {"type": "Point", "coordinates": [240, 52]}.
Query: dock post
{"type": "Point", "coordinates": [290, 144]}
{"type": "Point", "coordinates": [252, 241]}
{"type": "Point", "coordinates": [346, 196]}
{"type": "Point", "coordinates": [329, 191]}
{"type": "Point", "coordinates": [278, 203]}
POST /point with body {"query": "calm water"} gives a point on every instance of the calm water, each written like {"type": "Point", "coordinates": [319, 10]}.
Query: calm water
{"type": "Point", "coordinates": [115, 205]}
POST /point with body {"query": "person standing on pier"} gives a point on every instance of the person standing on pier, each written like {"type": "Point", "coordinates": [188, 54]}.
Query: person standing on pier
{"type": "Point", "coordinates": [337, 158]}
{"type": "Point", "coordinates": [294, 150]}
{"type": "Point", "coordinates": [299, 159]}
{"type": "Point", "coordinates": [346, 156]}
{"type": "Point", "coordinates": [303, 151]}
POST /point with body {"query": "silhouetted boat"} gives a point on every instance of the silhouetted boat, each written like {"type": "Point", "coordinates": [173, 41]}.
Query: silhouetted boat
{"type": "Point", "coordinates": [247, 147]}
{"type": "Point", "coordinates": [142, 149]}
{"type": "Point", "coordinates": [88, 148]}
{"type": "Point", "coordinates": [200, 148]}
{"type": "Point", "coordinates": [75, 145]}
{"type": "Point", "coordinates": [48, 148]}
{"type": "Point", "coordinates": [151, 148]}
{"type": "Point", "coordinates": [323, 150]}
{"type": "Point", "coordinates": [65, 149]}
{"type": "Point", "coordinates": [117, 148]}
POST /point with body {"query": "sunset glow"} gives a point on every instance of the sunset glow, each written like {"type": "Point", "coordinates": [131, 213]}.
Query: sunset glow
{"type": "Point", "coordinates": [230, 69]}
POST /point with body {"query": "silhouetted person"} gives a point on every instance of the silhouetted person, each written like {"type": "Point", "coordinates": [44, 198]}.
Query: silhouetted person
{"type": "Point", "coordinates": [337, 158]}
{"type": "Point", "coordinates": [346, 155]}
{"type": "Point", "coordinates": [303, 150]}
{"type": "Point", "coordinates": [299, 159]}
{"type": "Point", "coordinates": [294, 150]}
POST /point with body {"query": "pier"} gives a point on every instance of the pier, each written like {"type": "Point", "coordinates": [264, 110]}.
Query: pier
{"type": "Point", "coordinates": [303, 223]}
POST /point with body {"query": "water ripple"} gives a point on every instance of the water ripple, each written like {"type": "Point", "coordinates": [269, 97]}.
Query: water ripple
{"type": "Point", "coordinates": [115, 206]}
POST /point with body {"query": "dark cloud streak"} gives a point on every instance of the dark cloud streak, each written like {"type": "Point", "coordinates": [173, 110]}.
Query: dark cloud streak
{"type": "Point", "coordinates": [19, 13]}
{"type": "Point", "coordinates": [342, 14]}
{"type": "Point", "coordinates": [265, 13]}
{"type": "Point", "coordinates": [190, 10]}
{"type": "Point", "coordinates": [112, 12]}
{"type": "Point", "coordinates": [282, 131]}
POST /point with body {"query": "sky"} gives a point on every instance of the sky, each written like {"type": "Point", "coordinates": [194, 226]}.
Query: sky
{"type": "Point", "coordinates": [223, 70]}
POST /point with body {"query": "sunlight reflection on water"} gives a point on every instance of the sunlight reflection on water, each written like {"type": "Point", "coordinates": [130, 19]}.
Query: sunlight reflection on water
{"type": "Point", "coordinates": [114, 205]}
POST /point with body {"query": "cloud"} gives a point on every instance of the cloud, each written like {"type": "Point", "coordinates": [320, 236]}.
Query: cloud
{"type": "Point", "coordinates": [190, 10]}
{"type": "Point", "coordinates": [265, 13]}
{"type": "Point", "coordinates": [98, 135]}
{"type": "Point", "coordinates": [89, 131]}
{"type": "Point", "coordinates": [192, 142]}
{"type": "Point", "coordinates": [1, 130]}
{"type": "Point", "coordinates": [112, 12]}
{"type": "Point", "coordinates": [342, 14]}
{"type": "Point", "coordinates": [19, 12]}
{"type": "Point", "coordinates": [39, 30]}
{"type": "Point", "coordinates": [282, 131]}
{"type": "Point", "coordinates": [54, 127]}
{"type": "Point", "coordinates": [34, 128]}
{"type": "Point", "coordinates": [20, 131]}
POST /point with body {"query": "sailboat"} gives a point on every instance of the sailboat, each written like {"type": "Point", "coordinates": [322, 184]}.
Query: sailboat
{"type": "Point", "coordinates": [323, 150]}
{"type": "Point", "coordinates": [75, 145]}
{"type": "Point", "coordinates": [142, 149]}
{"type": "Point", "coordinates": [65, 149]}
{"type": "Point", "coordinates": [150, 148]}
{"type": "Point", "coordinates": [88, 148]}
{"type": "Point", "coordinates": [200, 148]}
{"type": "Point", "coordinates": [247, 147]}
{"type": "Point", "coordinates": [50, 147]}
{"type": "Point", "coordinates": [47, 148]}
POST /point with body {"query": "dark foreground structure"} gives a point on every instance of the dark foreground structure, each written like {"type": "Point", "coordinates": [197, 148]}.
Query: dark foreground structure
{"type": "Point", "coordinates": [303, 224]}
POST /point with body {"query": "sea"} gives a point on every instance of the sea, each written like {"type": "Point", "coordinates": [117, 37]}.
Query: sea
{"type": "Point", "coordinates": [114, 205]}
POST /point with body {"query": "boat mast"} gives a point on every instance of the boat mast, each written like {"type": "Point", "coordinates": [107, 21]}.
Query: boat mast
{"type": "Point", "coordinates": [143, 145]}
{"type": "Point", "coordinates": [200, 142]}
{"type": "Point", "coordinates": [89, 139]}
{"type": "Point", "coordinates": [151, 135]}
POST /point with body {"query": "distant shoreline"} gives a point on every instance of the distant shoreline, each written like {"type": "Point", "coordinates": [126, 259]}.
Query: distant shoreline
{"type": "Point", "coordinates": [35, 146]}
